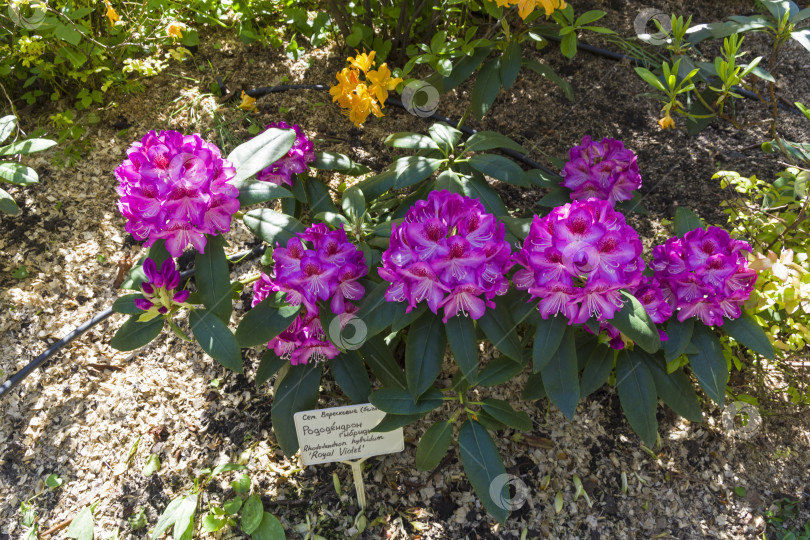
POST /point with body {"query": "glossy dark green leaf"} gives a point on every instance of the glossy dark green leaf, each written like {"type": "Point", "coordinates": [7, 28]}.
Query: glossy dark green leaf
{"type": "Point", "coordinates": [272, 226]}
{"type": "Point", "coordinates": [270, 528]}
{"type": "Point", "coordinates": [264, 322]}
{"type": "Point", "coordinates": [350, 374]}
{"type": "Point", "coordinates": [504, 413]}
{"type": "Point", "coordinates": [424, 353]}
{"type": "Point", "coordinates": [261, 151]}
{"type": "Point", "coordinates": [488, 421]}
{"type": "Point", "coordinates": [375, 311]}
{"type": "Point", "coordinates": [686, 220]}
{"type": "Point", "coordinates": [400, 401]}
{"type": "Point", "coordinates": [450, 181]}
{"type": "Point", "coordinates": [561, 376]}
{"type": "Point", "coordinates": [541, 178]}
{"type": "Point", "coordinates": [708, 363]}
{"type": "Point", "coordinates": [406, 319]}
{"type": "Point", "coordinates": [476, 187]}
{"type": "Point", "coordinates": [444, 136]}
{"type": "Point", "coordinates": [413, 141]}
{"type": "Point", "coordinates": [499, 167]}
{"type": "Point", "coordinates": [547, 339]}
{"type": "Point", "coordinates": [487, 140]}
{"type": "Point", "coordinates": [487, 86]}
{"type": "Point", "coordinates": [510, 64]}
{"type": "Point", "coordinates": [433, 445]}
{"type": "Point", "coordinates": [461, 70]}
{"type": "Point", "coordinates": [680, 336]}
{"type": "Point", "coordinates": [213, 278]}
{"type": "Point", "coordinates": [748, 333]}
{"type": "Point", "coordinates": [391, 422]}
{"type": "Point", "coordinates": [215, 339]}
{"type": "Point", "coordinates": [126, 304]}
{"type": "Point", "coordinates": [331, 161]}
{"type": "Point", "coordinates": [380, 359]}
{"type": "Point", "coordinates": [26, 146]}
{"type": "Point", "coordinates": [634, 322]}
{"type": "Point", "coordinates": [638, 395]}
{"type": "Point", "coordinates": [17, 173]}
{"type": "Point", "coordinates": [484, 469]}
{"type": "Point", "coordinates": [297, 391]}
{"type": "Point", "coordinates": [534, 388]}
{"type": "Point", "coordinates": [269, 365]}
{"type": "Point", "coordinates": [255, 191]}
{"type": "Point", "coordinates": [498, 326]}
{"type": "Point", "coordinates": [318, 197]}
{"type": "Point", "coordinates": [411, 170]}
{"type": "Point", "coordinates": [598, 366]}
{"type": "Point", "coordinates": [498, 371]}
{"type": "Point", "coordinates": [7, 204]}
{"type": "Point", "coordinates": [134, 335]}
{"type": "Point", "coordinates": [675, 389]}
{"type": "Point", "coordinates": [464, 345]}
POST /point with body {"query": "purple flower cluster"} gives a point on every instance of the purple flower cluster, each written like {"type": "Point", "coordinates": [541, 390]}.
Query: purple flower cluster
{"type": "Point", "coordinates": [704, 274]}
{"type": "Point", "coordinates": [159, 288]}
{"type": "Point", "coordinates": [577, 259]}
{"type": "Point", "coordinates": [603, 170]}
{"type": "Point", "coordinates": [175, 187]}
{"type": "Point", "coordinates": [317, 265]}
{"type": "Point", "coordinates": [448, 252]}
{"type": "Point", "coordinates": [295, 162]}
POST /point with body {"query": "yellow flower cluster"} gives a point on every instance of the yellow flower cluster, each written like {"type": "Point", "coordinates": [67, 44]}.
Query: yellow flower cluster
{"type": "Point", "coordinates": [111, 14]}
{"type": "Point", "coordinates": [363, 97]}
{"type": "Point", "coordinates": [526, 7]}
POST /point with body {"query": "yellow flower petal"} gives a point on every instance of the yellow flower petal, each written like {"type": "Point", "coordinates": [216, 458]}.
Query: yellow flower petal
{"type": "Point", "coordinates": [111, 15]}
{"type": "Point", "coordinates": [248, 103]}
{"type": "Point", "coordinates": [667, 122]}
{"type": "Point", "coordinates": [363, 62]}
{"type": "Point", "coordinates": [175, 30]}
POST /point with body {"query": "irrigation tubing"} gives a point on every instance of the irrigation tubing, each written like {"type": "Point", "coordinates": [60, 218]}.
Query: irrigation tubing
{"type": "Point", "coordinates": [19, 376]}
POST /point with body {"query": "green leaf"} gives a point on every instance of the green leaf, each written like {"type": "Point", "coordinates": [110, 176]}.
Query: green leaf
{"type": "Point", "coordinates": [650, 78]}
{"type": "Point", "coordinates": [240, 486]}
{"type": "Point", "coordinates": [297, 391]}
{"type": "Point", "coordinates": [680, 336]}
{"type": "Point", "coordinates": [464, 345]}
{"type": "Point", "coordinates": [547, 339]}
{"type": "Point", "coordinates": [27, 146]}
{"type": "Point", "coordinates": [499, 167]}
{"type": "Point", "coordinates": [7, 125]}
{"type": "Point", "coordinates": [450, 181]}
{"type": "Point", "coordinates": [53, 481]}
{"type": "Point", "coordinates": [215, 339]}
{"type": "Point", "coordinates": [226, 467]}
{"type": "Point", "coordinates": [252, 514]}
{"type": "Point", "coordinates": [353, 203]}
{"type": "Point", "coordinates": [158, 253]}
{"type": "Point", "coordinates": [350, 374]}
{"type": "Point", "coordinates": [557, 196]}
{"type": "Point", "coordinates": [406, 319]}
{"type": "Point", "coordinates": [265, 321]}
{"type": "Point", "coordinates": [534, 388]}
{"type": "Point", "coordinates": [168, 517]}
{"type": "Point", "coordinates": [708, 363]}
{"type": "Point", "coordinates": [588, 17]}
{"type": "Point", "coordinates": [213, 523]}
{"type": "Point", "coordinates": [254, 192]}
{"type": "Point", "coordinates": [134, 335]}
{"type": "Point", "coordinates": [637, 394]}
{"type": "Point", "coordinates": [747, 332]}
{"type": "Point", "coordinates": [272, 226]}
{"type": "Point", "coordinates": [411, 170]}
{"type": "Point", "coordinates": [483, 466]}
{"type": "Point", "coordinates": [270, 528]}
{"type": "Point", "coordinates": [331, 161]}
{"type": "Point", "coordinates": [561, 376]}
{"type": "Point", "coordinates": [433, 445]}
{"type": "Point", "coordinates": [184, 522]}
{"type": "Point", "coordinates": [541, 178]}
{"type": "Point", "coordinates": [399, 401]}
{"type": "Point", "coordinates": [7, 204]}
{"type": "Point", "coordinates": [686, 221]}
{"type": "Point", "coordinates": [504, 413]}
{"type": "Point", "coordinates": [498, 326]}
{"type": "Point", "coordinates": [379, 358]}
{"type": "Point", "coordinates": [424, 353]}
{"type": "Point", "coordinates": [477, 188]}
{"type": "Point", "coordinates": [232, 506]}
{"type": "Point", "coordinates": [487, 140]}
{"type": "Point", "coordinates": [318, 197]}
{"type": "Point", "coordinates": [546, 71]}
{"type": "Point", "coordinates": [445, 137]}
{"type": "Point", "coordinates": [81, 528]}
{"type": "Point", "coordinates": [126, 304]}
{"type": "Point", "coordinates": [568, 45]}
{"type": "Point", "coordinates": [413, 141]}
{"type": "Point", "coordinates": [376, 312]}
{"type": "Point", "coordinates": [498, 371]}
{"type": "Point", "coordinates": [510, 64]}
{"type": "Point", "coordinates": [391, 422]}
{"type": "Point", "coordinates": [634, 322]}
{"type": "Point", "coordinates": [461, 70]}
{"type": "Point", "coordinates": [151, 466]}
{"type": "Point", "coordinates": [261, 151]}
{"type": "Point", "coordinates": [17, 173]}
{"type": "Point", "coordinates": [213, 278]}
{"type": "Point", "coordinates": [487, 86]}
{"type": "Point", "coordinates": [598, 366]}
{"type": "Point", "coordinates": [675, 389]}
{"type": "Point", "coordinates": [268, 366]}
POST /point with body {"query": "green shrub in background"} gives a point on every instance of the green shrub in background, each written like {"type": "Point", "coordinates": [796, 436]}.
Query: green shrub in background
{"type": "Point", "coordinates": [11, 170]}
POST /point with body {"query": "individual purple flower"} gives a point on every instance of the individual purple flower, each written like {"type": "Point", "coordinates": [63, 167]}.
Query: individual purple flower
{"type": "Point", "coordinates": [448, 252]}
{"type": "Point", "coordinates": [705, 274]}
{"type": "Point", "coordinates": [577, 259]}
{"type": "Point", "coordinates": [317, 265]}
{"type": "Point", "coordinates": [159, 289]}
{"type": "Point", "coordinates": [603, 170]}
{"type": "Point", "coordinates": [295, 162]}
{"type": "Point", "coordinates": [176, 187]}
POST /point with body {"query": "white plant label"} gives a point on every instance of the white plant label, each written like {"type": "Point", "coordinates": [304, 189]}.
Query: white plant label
{"type": "Point", "coordinates": [343, 434]}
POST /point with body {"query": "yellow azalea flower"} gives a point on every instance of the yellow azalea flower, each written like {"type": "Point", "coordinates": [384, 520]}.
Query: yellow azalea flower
{"type": "Point", "coordinates": [551, 5]}
{"type": "Point", "coordinates": [363, 104]}
{"type": "Point", "coordinates": [248, 103]}
{"type": "Point", "coordinates": [525, 7]}
{"type": "Point", "coordinates": [111, 15]}
{"type": "Point", "coordinates": [348, 79]}
{"type": "Point", "coordinates": [667, 122]}
{"type": "Point", "coordinates": [381, 82]}
{"type": "Point", "coordinates": [175, 30]}
{"type": "Point", "coordinates": [503, 3]}
{"type": "Point", "coordinates": [363, 62]}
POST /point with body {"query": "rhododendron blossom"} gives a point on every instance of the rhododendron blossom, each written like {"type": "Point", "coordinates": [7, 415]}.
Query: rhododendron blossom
{"type": "Point", "coordinates": [448, 252]}
{"type": "Point", "coordinates": [295, 162]}
{"type": "Point", "coordinates": [603, 170]}
{"type": "Point", "coordinates": [175, 187]}
{"type": "Point", "coordinates": [705, 274]}
{"type": "Point", "coordinates": [317, 265]}
{"type": "Point", "coordinates": [160, 292]}
{"type": "Point", "coordinates": [577, 259]}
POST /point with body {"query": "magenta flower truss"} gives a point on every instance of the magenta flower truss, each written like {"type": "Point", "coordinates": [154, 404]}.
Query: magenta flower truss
{"type": "Point", "coordinates": [448, 252]}
{"type": "Point", "coordinates": [603, 170]}
{"type": "Point", "coordinates": [705, 274]}
{"type": "Point", "coordinates": [159, 289]}
{"type": "Point", "coordinates": [651, 295]}
{"type": "Point", "coordinates": [318, 264]}
{"type": "Point", "coordinates": [577, 259]}
{"type": "Point", "coordinates": [295, 162]}
{"type": "Point", "coordinates": [175, 187]}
